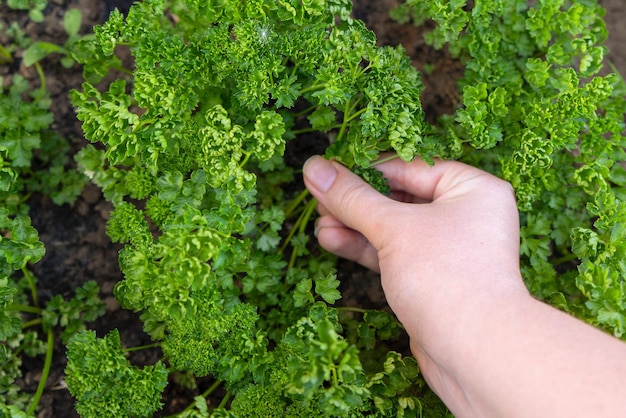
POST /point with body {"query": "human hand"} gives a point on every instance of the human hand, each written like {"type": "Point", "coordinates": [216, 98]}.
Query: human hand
{"type": "Point", "coordinates": [447, 230]}
{"type": "Point", "coordinates": [446, 243]}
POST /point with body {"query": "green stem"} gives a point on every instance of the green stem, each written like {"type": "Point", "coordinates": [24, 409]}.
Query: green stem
{"type": "Point", "coordinates": [42, 79]}
{"type": "Point", "coordinates": [305, 111]}
{"type": "Point", "coordinates": [564, 259]}
{"type": "Point", "coordinates": [25, 197]}
{"type": "Point", "coordinates": [344, 124]}
{"type": "Point", "coordinates": [334, 378]}
{"type": "Point", "coordinates": [306, 215]}
{"type": "Point", "coordinates": [44, 374]}
{"type": "Point", "coordinates": [356, 114]}
{"type": "Point", "coordinates": [140, 347]}
{"type": "Point", "coordinates": [224, 400]}
{"type": "Point", "coordinates": [312, 88]}
{"type": "Point", "coordinates": [288, 239]}
{"type": "Point", "coordinates": [31, 285]}
{"type": "Point", "coordinates": [32, 323]}
{"type": "Point", "coordinates": [351, 309]}
{"type": "Point", "coordinates": [245, 160]}
{"type": "Point", "coordinates": [24, 308]}
{"type": "Point", "coordinates": [294, 69]}
{"type": "Point", "coordinates": [384, 160]}
{"type": "Point", "coordinates": [212, 388]}
{"type": "Point", "coordinates": [306, 130]}
{"type": "Point", "coordinates": [300, 224]}
{"type": "Point", "coordinates": [122, 69]}
{"type": "Point", "coordinates": [354, 106]}
{"type": "Point", "coordinates": [204, 395]}
{"type": "Point", "coordinates": [303, 221]}
{"type": "Point", "coordinates": [295, 202]}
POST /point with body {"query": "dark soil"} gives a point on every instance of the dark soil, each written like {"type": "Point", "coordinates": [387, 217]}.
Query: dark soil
{"type": "Point", "coordinates": [77, 247]}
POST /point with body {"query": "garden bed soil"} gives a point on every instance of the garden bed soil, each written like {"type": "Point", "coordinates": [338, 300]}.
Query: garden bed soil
{"type": "Point", "coordinates": [77, 248]}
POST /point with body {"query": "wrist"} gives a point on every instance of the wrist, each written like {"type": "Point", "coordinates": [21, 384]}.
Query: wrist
{"type": "Point", "coordinates": [436, 310]}
{"type": "Point", "coordinates": [450, 344]}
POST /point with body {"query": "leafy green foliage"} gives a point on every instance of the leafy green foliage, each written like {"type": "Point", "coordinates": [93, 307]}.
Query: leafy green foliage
{"type": "Point", "coordinates": [21, 122]}
{"type": "Point", "coordinates": [11, 325]}
{"type": "Point", "coordinates": [26, 142]}
{"type": "Point", "coordinates": [39, 50]}
{"type": "Point", "coordinates": [19, 338]}
{"type": "Point", "coordinates": [32, 159]}
{"type": "Point", "coordinates": [72, 315]}
{"type": "Point", "coordinates": [35, 8]}
{"type": "Point", "coordinates": [217, 258]}
{"type": "Point", "coordinates": [374, 178]}
{"type": "Point", "coordinates": [536, 112]}
{"type": "Point", "coordinates": [20, 245]}
{"type": "Point", "coordinates": [114, 392]}
{"type": "Point", "coordinates": [218, 341]}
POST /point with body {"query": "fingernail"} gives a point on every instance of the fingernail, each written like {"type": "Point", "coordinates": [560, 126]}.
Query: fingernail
{"type": "Point", "coordinates": [320, 173]}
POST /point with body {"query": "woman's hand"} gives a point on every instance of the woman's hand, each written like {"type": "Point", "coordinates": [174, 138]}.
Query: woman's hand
{"type": "Point", "coordinates": [447, 232]}
{"type": "Point", "coordinates": [446, 243]}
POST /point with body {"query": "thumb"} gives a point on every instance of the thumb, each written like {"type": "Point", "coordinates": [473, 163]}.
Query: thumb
{"type": "Point", "coordinates": [347, 197]}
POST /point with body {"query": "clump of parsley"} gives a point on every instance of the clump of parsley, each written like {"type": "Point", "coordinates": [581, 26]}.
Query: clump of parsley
{"type": "Point", "coordinates": [217, 258]}
{"type": "Point", "coordinates": [33, 159]}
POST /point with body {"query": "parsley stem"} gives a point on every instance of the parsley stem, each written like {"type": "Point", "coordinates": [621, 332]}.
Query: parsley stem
{"type": "Point", "coordinates": [212, 388]}
{"type": "Point", "coordinates": [122, 69]}
{"type": "Point", "coordinates": [42, 78]}
{"type": "Point", "coordinates": [356, 114]}
{"type": "Point", "coordinates": [351, 309]}
{"type": "Point", "coordinates": [140, 347]}
{"type": "Point", "coordinates": [31, 285]}
{"type": "Point", "coordinates": [564, 259]}
{"type": "Point", "coordinates": [354, 106]}
{"type": "Point", "coordinates": [24, 308]}
{"type": "Point", "coordinates": [312, 88]}
{"type": "Point", "coordinates": [295, 202]}
{"type": "Point", "coordinates": [333, 375]}
{"type": "Point", "coordinates": [32, 323]}
{"type": "Point", "coordinates": [306, 215]}
{"type": "Point", "coordinates": [292, 232]}
{"type": "Point", "coordinates": [300, 224]}
{"type": "Point", "coordinates": [305, 111]}
{"type": "Point", "coordinates": [305, 130]}
{"type": "Point", "coordinates": [342, 130]}
{"type": "Point", "coordinates": [347, 117]}
{"type": "Point", "coordinates": [44, 374]}
{"type": "Point", "coordinates": [245, 159]}
{"type": "Point", "coordinates": [204, 395]}
{"type": "Point", "coordinates": [224, 400]}
{"type": "Point", "coordinates": [384, 160]}
{"type": "Point", "coordinates": [294, 69]}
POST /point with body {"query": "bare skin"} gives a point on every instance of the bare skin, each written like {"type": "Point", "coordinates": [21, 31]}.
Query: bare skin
{"type": "Point", "coordinates": [447, 246]}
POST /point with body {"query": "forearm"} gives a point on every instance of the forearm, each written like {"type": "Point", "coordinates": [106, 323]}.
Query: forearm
{"type": "Point", "coordinates": [520, 357]}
